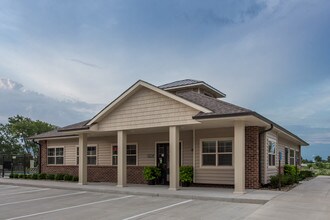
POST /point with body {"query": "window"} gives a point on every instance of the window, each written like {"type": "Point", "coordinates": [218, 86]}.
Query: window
{"type": "Point", "coordinates": [131, 154]}
{"type": "Point", "coordinates": [55, 155]}
{"type": "Point", "coordinates": [291, 157]}
{"type": "Point", "coordinates": [271, 152]}
{"type": "Point", "coordinates": [286, 156]}
{"type": "Point", "coordinates": [217, 153]}
{"type": "Point", "coordinates": [91, 155]}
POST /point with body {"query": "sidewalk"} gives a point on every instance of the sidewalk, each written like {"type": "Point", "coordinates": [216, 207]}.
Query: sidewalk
{"type": "Point", "coordinates": [199, 193]}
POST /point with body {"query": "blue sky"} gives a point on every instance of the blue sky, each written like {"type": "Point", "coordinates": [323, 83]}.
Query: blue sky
{"type": "Point", "coordinates": [270, 56]}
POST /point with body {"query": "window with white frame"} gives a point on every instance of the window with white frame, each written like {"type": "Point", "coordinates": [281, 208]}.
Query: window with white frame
{"type": "Point", "coordinates": [55, 155]}
{"type": "Point", "coordinates": [271, 152]}
{"type": "Point", "coordinates": [91, 155]}
{"type": "Point", "coordinates": [131, 155]}
{"type": "Point", "coordinates": [217, 153]}
{"type": "Point", "coordinates": [292, 162]}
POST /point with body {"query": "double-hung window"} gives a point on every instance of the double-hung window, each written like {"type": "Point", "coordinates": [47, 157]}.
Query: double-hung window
{"type": "Point", "coordinates": [292, 162]}
{"type": "Point", "coordinates": [271, 152]}
{"type": "Point", "coordinates": [131, 154]}
{"type": "Point", "coordinates": [217, 153]}
{"type": "Point", "coordinates": [91, 155]}
{"type": "Point", "coordinates": [55, 155]}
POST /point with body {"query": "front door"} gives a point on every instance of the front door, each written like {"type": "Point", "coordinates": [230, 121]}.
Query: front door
{"type": "Point", "coordinates": [163, 162]}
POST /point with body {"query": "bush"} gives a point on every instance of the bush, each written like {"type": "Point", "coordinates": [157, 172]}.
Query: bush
{"type": "Point", "coordinates": [285, 180]}
{"type": "Point", "coordinates": [59, 176]}
{"type": "Point", "coordinates": [305, 174]}
{"type": "Point", "coordinates": [151, 173]}
{"type": "Point", "coordinates": [186, 174]}
{"type": "Point", "coordinates": [16, 176]}
{"type": "Point", "coordinates": [11, 175]}
{"type": "Point", "coordinates": [42, 176]}
{"type": "Point", "coordinates": [75, 179]}
{"type": "Point", "coordinates": [68, 177]}
{"type": "Point", "coordinates": [50, 176]}
{"type": "Point", "coordinates": [35, 176]}
{"type": "Point", "coordinates": [21, 176]}
{"type": "Point", "coordinates": [27, 176]}
{"type": "Point", "coordinates": [290, 170]}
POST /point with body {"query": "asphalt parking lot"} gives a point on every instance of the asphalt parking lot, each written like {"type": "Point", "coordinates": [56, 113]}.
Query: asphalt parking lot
{"type": "Point", "coordinates": [18, 202]}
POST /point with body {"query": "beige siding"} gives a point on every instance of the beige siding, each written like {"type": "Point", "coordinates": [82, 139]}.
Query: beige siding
{"type": "Point", "coordinates": [281, 143]}
{"type": "Point", "coordinates": [146, 148]}
{"type": "Point", "coordinates": [147, 108]}
{"type": "Point", "coordinates": [212, 175]}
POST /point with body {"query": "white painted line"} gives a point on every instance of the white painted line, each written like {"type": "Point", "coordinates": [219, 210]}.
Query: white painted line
{"type": "Point", "coordinates": [71, 207]}
{"type": "Point", "coordinates": [30, 191]}
{"type": "Point", "coordinates": [42, 198]}
{"type": "Point", "coordinates": [8, 187]}
{"type": "Point", "coordinates": [156, 210]}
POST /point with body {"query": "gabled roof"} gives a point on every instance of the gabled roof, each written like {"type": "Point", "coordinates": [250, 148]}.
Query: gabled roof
{"type": "Point", "coordinates": [134, 88]}
{"type": "Point", "coordinates": [186, 83]}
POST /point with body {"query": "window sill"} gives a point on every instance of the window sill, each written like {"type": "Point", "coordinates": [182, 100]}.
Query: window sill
{"type": "Point", "coordinates": [217, 167]}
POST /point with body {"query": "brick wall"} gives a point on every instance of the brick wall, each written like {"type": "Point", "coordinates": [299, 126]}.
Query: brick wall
{"type": "Point", "coordinates": [94, 173]}
{"type": "Point", "coordinates": [252, 157]}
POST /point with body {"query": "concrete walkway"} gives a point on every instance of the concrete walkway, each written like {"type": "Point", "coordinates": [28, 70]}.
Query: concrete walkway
{"type": "Point", "coordinates": [200, 193]}
{"type": "Point", "coordinates": [310, 200]}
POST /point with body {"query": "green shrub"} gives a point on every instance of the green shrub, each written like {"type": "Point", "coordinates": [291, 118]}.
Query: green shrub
{"type": "Point", "coordinates": [305, 174]}
{"type": "Point", "coordinates": [50, 176]}
{"type": "Point", "coordinates": [21, 176]}
{"type": "Point", "coordinates": [16, 176]}
{"type": "Point", "coordinates": [186, 174]}
{"type": "Point", "coordinates": [151, 173]}
{"type": "Point", "coordinates": [27, 176]}
{"type": "Point", "coordinates": [11, 175]}
{"type": "Point", "coordinates": [35, 176]}
{"type": "Point", "coordinates": [68, 177]}
{"type": "Point", "coordinates": [75, 179]}
{"type": "Point", "coordinates": [42, 176]}
{"type": "Point", "coordinates": [285, 180]}
{"type": "Point", "coordinates": [59, 176]}
{"type": "Point", "coordinates": [290, 170]}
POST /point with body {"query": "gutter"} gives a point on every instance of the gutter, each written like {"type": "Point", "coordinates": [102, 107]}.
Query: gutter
{"type": "Point", "coordinates": [39, 154]}
{"type": "Point", "coordinates": [260, 155]}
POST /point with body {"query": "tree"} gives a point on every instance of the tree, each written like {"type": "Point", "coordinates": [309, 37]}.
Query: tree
{"type": "Point", "coordinates": [318, 159]}
{"type": "Point", "coordinates": [21, 128]}
{"type": "Point", "coordinates": [8, 144]}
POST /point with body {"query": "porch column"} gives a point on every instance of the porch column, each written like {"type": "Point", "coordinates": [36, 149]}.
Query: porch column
{"type": "Point", "coordinates": [174, 158]}
{"type": "Point", "coordinates": [239, 152]}
{"type": "Point", "coordinates": [121, 167]}
{"type": "Point", "coordinates": [82, 159]}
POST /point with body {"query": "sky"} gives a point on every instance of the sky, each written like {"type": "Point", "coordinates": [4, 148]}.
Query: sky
{"type": "Point", "coordinates": [70, 58]}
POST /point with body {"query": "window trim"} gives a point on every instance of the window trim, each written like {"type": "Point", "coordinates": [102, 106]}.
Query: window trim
{"type": "Point", "coordinates": [97, 155]}
{"type": "Point", "coordinates": [273, 140]}
{"type": "Point", "coordinates": [216, 158]}
{"type": "Point", "coordinates": [294, 156]}
{"type": "Point", "coordinates": [54, 147]}
{"type": "Point", "coordinates": [137, 153]}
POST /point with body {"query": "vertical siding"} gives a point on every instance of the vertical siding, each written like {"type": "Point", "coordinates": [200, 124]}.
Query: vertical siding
{"type": "Point", "coordinates": [213, 175]}
{"type": "Point", "coordinates": [147, 108]}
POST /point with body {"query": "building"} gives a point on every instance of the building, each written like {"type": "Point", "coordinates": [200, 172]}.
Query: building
{"type": "Point", "coordinates": [181, 123]}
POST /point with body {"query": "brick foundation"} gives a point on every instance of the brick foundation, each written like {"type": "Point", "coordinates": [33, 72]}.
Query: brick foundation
{"type": "Point", "coordinates": [252, 158]}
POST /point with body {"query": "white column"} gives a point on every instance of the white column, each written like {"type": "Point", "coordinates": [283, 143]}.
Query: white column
{"type": "Point", "coordinates": [121, 167]}
{"type": "Point", "coordinates": [82, 159]}
{"type": "Point", "coordinates": [239, 158]}
{"type": "Point", "coordinates": [174, 158]}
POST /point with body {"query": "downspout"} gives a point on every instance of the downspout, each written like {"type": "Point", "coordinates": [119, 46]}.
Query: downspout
{"type": "Point", "coordinates": [39, 154]}
{"type": "Point", "coordinates": [260, 155]}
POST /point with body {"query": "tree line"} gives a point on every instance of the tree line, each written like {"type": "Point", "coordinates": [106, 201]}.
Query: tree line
{"type": "Point", "coordinates": [14, 135]}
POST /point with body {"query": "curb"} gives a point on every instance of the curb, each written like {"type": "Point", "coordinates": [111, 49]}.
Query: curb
{"type": "Point", "coordinates": [127, 192]}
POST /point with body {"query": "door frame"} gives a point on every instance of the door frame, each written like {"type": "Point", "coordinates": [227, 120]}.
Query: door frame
{"type": "Point", "coordinates": [167, 142]}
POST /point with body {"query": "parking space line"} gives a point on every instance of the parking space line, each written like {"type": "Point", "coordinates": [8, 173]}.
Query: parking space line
{"type": "Point", "coordinates": [30, 191]}
{"type": "Point", "coordinates": [156, 210]}
{"type": "Point", "coordinates": [42, 198]}
{"type": "Point", "coordinates": [71, 207]}
{"type": "Point", "coordinates": [8, 187]}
